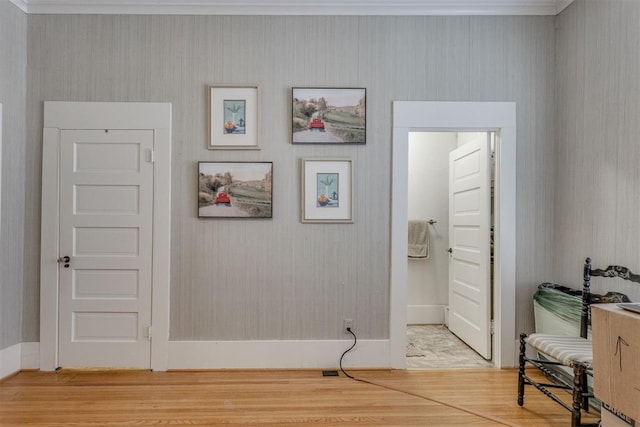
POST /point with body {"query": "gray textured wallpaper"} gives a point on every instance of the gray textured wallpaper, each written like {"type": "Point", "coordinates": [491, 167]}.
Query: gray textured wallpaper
{"type": "Point", "coordinates": [598, 141]}
{"type": "Point", "coordinates": [13, 89]}
{"type": "Point", "coordinates": [279, 278]}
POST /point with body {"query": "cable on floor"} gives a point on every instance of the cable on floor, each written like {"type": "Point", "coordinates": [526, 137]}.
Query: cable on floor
{"type": "Point", "coordinates": [450, 405]}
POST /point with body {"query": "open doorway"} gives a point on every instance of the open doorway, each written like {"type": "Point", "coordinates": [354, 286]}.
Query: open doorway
{"type": "Point", "coordinates": [450, 210]}
{"type": "Point", "coordinates": [500, 117]}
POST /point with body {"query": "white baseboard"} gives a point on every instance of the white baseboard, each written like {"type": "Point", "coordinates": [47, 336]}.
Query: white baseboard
{"type": "Point", "coordinates": [19, 356]}
{"type": "Point", "coordinates": [238, 355]}
{"type": "Point", "coordinates": [277, 354]}
{"type": "Point", "coordinates": [10, 360]}
{"type": "Point", "coordinates": [425, 314]}
{"type": "Point", "coordinates": [30, 355]}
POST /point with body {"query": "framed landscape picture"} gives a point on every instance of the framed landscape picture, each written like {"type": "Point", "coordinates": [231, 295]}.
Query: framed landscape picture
{"type": "Point", "coordinates": [327, 190]}
{"type": "Point", "coordinates": [328, 115]}
{"type": "Point", "coordinates": [235, 189]}
{"type": "Point", "coordinates": [233, 118]}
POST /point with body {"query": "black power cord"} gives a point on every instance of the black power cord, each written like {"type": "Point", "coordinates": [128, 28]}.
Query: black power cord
{"type": "Point", "coordinates": [355, 340]}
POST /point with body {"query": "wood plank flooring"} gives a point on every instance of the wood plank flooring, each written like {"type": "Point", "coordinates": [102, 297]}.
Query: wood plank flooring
{"type": "Point", "coordinates": [483, 397]}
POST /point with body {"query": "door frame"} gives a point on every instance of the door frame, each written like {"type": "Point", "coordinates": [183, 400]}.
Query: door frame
{"type": "Point", "coordinates": [98, 116]}
{"type": "Point", "coordinates": [429, 116]}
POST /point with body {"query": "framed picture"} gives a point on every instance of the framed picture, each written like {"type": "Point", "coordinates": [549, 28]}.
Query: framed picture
{"type": "Point", "coordinates": [235, 189]}
{"type": "Point", "coordinates": [234, 119]}
{"type": "Point", "coordinates": [327, 190]}
{"type": "Point", "coordinates": [328, 116]}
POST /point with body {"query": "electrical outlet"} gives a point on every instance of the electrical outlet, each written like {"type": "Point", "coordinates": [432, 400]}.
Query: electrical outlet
{"type": "Point", "coordinates": [347, 324]}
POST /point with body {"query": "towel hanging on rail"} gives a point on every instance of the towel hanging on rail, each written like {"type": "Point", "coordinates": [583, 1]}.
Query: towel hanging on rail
{"type": "Point", "coordinates": [418, 239]}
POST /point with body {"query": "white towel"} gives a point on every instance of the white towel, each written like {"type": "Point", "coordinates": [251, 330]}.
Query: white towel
{"type": "Point", "coordinates": [418, 239]}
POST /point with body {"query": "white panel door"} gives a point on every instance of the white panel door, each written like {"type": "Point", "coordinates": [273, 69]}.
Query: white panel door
{"type": "Point", "coordinates": [106, 212]}
{"type": "Point", "coordinates": [469, 260]}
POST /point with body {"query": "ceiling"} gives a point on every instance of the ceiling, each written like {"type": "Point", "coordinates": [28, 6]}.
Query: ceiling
{"type": "Point", "coordinates": [296, 7]}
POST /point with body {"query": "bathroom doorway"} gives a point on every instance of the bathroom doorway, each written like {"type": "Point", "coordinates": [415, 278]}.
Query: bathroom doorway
{"type": "Point", "coordinates": [450, 183]}
{"type": "Point", "coordinates": [500, 117]}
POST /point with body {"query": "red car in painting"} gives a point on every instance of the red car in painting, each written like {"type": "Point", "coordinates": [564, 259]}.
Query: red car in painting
{"type": "Point", "coordinates": [316, 123]}
{"type": "Point", "coordinates": [223, 198]}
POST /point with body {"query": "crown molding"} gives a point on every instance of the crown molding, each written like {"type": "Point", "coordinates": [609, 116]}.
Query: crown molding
{"type": "Point", "coordinates": [21, 4]}
{"type": "Point", "coordinates": [295, 7]}
{"type": "Point", "coordinates": [562, 5]}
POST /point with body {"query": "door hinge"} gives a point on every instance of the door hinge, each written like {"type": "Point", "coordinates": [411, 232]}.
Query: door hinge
{"type": "Point", "coordinates": [147, 332]}
{"type": "Point", "coordinates": [493, 326]}
{"type": "Point", "coordinates": [151, 157]}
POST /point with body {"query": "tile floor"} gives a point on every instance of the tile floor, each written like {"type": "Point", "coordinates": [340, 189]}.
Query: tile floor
{"type": "Point", "coordinates": [435, 347]}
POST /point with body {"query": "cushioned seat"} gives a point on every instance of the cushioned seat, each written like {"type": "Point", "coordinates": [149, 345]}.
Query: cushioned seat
{"type": "Point", "coordinates": [566, 350]}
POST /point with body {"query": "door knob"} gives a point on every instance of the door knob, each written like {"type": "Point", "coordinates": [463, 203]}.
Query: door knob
{"type": "Point", "coordinates": [450, 250]}
{"type": "Point", "coordinates": [66, 260]}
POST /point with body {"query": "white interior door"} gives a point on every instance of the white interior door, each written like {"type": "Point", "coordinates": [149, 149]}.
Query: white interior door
{"type": "Point", "coordinates": [469, 260]}
{"type": "Point", "coordinates": [106, 217]}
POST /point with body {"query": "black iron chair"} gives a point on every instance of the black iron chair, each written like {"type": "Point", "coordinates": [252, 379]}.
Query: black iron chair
{"type": "Point", "coordinates": [572, 352]}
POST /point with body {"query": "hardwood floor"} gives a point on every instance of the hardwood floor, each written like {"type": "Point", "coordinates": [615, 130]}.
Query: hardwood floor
{"type": "Point", "coordinates": [483, 397]}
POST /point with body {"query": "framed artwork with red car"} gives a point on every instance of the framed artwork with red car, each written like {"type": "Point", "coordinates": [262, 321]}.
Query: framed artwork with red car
{"type": "Point", "coordinates": [328, 115]}
{"type": "Point", "coordinates": [235, 189]}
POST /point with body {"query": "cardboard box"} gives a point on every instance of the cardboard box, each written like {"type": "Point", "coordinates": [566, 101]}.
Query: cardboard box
{"type": "Point", "coordinates": [609, 417]}
{"type": "Point", "coordinates": [616, 358]}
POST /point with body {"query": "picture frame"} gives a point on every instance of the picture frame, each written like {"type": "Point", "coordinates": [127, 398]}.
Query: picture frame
{"type": "Point", "coordinates": [234, 117]}
{"type": "Point", "coordinates": [328, 115]}
{"type": "Point", "coordinates": [235, 189]}
{"type": "Point", "coordinates": [326, 190]}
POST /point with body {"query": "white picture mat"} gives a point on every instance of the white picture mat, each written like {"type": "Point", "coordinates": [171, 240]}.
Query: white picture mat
{"type": "Point", "coordinates": [311, 212]}
{"type": "Point", "coordinates": [217, 137]}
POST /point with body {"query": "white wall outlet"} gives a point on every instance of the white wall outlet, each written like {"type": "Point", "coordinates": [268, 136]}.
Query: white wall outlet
{"type": "Point", "coordinates": [347, 324]}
